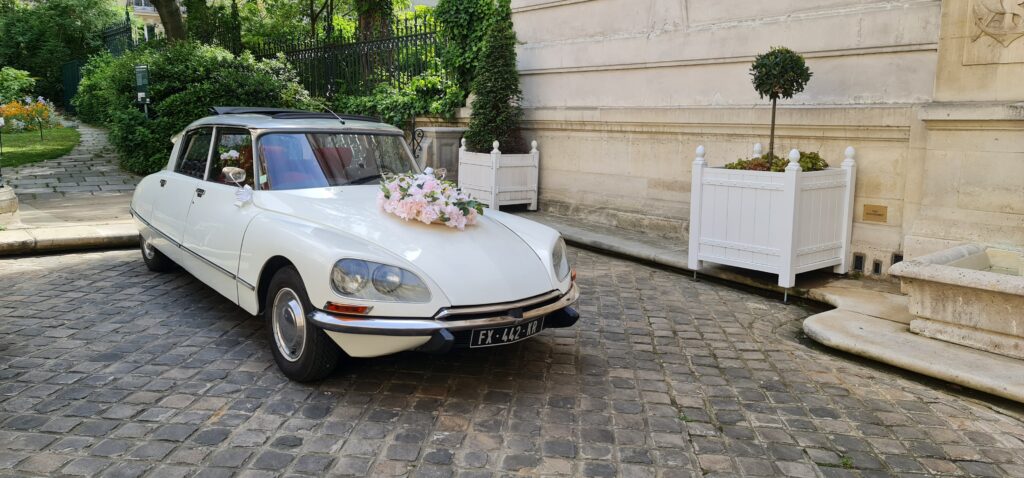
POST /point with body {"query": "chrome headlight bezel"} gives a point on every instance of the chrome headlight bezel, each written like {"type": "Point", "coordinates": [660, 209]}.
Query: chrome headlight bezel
{"type": "Point", "coordinates": [379, 283]}
{"type": "Point", "coordinates": [560, 260]}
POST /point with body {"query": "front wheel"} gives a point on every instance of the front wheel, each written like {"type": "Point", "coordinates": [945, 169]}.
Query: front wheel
{"type": "Point", "coordinates": [302, 350]}
{"type": "Point", "coordinates": [155, 260]}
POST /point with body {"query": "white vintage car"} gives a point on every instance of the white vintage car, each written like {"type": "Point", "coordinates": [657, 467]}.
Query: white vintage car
{"type": "Point", "coordinates": [277, 211]}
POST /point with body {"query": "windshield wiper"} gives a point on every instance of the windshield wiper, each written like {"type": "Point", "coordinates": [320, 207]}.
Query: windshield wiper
{"type": "Point", "coordinates": [366, 179]}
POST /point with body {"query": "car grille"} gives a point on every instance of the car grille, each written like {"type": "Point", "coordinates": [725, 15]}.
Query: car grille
{"type": "Point", "coordinates": [510, 309]}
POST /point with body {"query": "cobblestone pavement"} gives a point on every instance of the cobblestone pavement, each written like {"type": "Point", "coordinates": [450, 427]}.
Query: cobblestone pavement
{"type": "Point", "coordinates": [89, 170]}
{"type": "Point", "coordinates": [108, 369]}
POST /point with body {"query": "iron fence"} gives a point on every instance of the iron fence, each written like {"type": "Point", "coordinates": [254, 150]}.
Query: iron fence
{"type": "Point", "coordinates": [356, 64]}
{"type": "Point", "coordinates": [119, 38]}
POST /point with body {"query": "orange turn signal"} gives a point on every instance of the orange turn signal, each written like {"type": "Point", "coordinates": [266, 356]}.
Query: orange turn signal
{"type": "Point", "coordinates": [347, 309]}
{"type": "Point", "coordinates": [574, 274]}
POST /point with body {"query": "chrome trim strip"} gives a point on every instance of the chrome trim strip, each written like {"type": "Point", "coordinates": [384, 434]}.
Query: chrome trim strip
{"type": "Point", "coordinates": [354, 324]}
{"type": "Point", "coordinates": [244, 283]}
{"type": "Point", "coordinates": [193, 253]}
{"type": "Point", "coordinates": [483, 309]}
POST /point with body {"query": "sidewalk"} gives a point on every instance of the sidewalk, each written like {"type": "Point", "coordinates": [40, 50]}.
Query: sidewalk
{"type": "Point", "coordinates": [870, 319]}
{"type": "Point", "coordinates": [78, 201]}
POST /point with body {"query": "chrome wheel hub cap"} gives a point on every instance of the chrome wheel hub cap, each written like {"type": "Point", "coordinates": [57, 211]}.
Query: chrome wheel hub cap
{"type": "Point", "coordinates": [289, 322]}
{"type": "Point", "coordinates": [148, 250]}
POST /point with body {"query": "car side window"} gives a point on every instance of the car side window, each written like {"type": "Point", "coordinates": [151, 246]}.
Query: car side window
{"type": "Point", "coordinates": [234, 149]}
{"type": "Point", "coordinates": [194, 152]}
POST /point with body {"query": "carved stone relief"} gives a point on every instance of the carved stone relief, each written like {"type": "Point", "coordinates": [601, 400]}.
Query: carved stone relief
{"type": "Point", "coordinates": [995, 27]}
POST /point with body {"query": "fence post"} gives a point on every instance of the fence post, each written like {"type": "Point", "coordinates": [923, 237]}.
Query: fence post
{"type": "Point", "coordinates": [495, 160]}
{"type": "Point", "coordinates": [850, 168]}
{"type": "Point", "coordinates": [696, 192]}
{"type": "Point", "coordinates": [790, 204]}
{"type": "Point", "coordinates": [535, 155]}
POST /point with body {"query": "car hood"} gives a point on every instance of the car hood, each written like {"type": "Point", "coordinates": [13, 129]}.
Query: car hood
{"type": "Point", "coordinates": [486, 263]}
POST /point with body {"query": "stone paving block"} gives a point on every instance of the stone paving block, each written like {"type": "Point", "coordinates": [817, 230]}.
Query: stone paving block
{"type": "Point", "coordinates": [158, 375]}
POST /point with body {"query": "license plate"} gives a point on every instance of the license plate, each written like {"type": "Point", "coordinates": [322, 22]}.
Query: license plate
{"type": "Point", "coordinates": [505, 335]}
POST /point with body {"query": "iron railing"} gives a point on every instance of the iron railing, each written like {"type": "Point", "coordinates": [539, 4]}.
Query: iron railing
{"type": "Point", "coordinates": [356, 64]}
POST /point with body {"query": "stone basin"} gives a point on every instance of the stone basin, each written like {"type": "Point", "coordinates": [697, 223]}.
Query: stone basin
{"type": "Point", "coordinates": [970, 295]}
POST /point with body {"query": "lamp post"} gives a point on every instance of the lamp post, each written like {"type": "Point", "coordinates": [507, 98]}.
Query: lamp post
{"type": "Point", "coordinates": [142, 86]}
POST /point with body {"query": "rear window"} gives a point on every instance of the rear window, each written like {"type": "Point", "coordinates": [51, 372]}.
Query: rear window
{"type": "Point", "coordinates": [194, 151]}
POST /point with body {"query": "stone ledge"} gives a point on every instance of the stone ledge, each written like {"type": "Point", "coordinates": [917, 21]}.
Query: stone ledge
{"type": "Point", "coordinates": [49, 239]}
{"type": "Point", "coordinates": [893, 343]}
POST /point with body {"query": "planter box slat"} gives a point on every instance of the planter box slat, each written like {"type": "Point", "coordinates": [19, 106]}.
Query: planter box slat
{"type": "Point", "coordinates": [781, 223]}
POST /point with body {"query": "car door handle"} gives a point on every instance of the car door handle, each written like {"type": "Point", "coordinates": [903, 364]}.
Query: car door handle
{"type": "Point", "coordinates": [200, 192]}
{"type": "Point", "coordinates": [163, 182]}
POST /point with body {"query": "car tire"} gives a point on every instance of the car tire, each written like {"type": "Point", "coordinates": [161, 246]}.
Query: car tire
{"type": "Point", "coordinates": [155, 260]}
{"type": "Point", "coordinates": [302, 350]}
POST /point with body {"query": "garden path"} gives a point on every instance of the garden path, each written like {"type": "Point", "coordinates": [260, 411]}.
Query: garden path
{"type": "Point", "coordinates": [89, 170]}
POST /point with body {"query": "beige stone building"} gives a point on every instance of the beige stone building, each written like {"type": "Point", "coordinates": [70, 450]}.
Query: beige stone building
{"type": "Point", "coordinates": [619, 93]}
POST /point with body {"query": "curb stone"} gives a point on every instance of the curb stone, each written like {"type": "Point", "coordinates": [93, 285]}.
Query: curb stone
{"type": "Point", "coordinates": [68, 238]}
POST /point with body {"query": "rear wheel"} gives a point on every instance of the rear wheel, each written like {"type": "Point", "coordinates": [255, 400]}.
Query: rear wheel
{"type": "Point", "coordinates": [155, 260]}
{"type": "Point", "coordinates": [302, 350]}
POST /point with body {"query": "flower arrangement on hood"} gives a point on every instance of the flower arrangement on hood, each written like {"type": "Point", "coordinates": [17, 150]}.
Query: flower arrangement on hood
{"type": "Point", "coordinates": [428, 198]}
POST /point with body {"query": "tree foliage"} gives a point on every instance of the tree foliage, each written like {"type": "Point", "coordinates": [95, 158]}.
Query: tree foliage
{"type": "Point", "coordinates": [39, 37]}
{"type": "Point", "coordinates": [214, 23]}
{"type": "Point", "coordinates": [463, 26]}
{"type": "Point", "coordinates": [780, 73]}
{"type": "Point", "coordinates": [496, 109]}
{"type": "Point", "coordinates": [15, 84]}
{"type": "Point", "coordinates": [186, 79]}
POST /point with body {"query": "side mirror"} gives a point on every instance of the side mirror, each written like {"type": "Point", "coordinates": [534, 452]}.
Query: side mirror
{"type": "Point", "coordinates": [235, 175]}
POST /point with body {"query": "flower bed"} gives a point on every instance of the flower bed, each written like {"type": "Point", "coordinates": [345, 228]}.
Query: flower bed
{"type": "Point", "coordinates": [429, 199]}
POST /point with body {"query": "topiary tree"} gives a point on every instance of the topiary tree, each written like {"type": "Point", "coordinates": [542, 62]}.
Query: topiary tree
{"type": "Point", "coordinates": [780, 73]}
{"type": "Point", "coordinates": [496, 110]}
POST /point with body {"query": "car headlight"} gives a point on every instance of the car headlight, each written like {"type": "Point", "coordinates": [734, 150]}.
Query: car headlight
{"type": "Point", "coordinates": [560, 260]}
{"type": "Point", "coordinates": [368, 280]}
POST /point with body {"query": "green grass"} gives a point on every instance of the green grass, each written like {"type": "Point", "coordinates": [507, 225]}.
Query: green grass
{"type": "Point", "coordinates": [25, 148]}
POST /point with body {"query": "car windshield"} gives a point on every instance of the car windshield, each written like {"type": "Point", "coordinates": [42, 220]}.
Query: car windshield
{"type": "Point", "coordinates": [319, 160]}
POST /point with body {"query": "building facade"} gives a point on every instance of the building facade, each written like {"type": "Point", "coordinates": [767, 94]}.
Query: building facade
{"type": "Point", "coordinates": [619, 93]}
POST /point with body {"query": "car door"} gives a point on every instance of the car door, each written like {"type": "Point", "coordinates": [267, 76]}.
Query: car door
{"type": "Point", "coordinates": [177, 187]}
{"type": "Point", "coordinates": [217, 220]}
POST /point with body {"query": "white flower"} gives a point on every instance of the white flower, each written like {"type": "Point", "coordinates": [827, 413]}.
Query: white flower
{"type": "Point", "coordinates": [232, 154]}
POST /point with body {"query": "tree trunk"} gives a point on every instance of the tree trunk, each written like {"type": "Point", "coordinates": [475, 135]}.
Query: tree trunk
{"type": "Point", "coordinates": [374, 18]}
{"type": "Point", "coordinates": [170, 17]}
{"type": "Point", "coordinates": [771, 138]}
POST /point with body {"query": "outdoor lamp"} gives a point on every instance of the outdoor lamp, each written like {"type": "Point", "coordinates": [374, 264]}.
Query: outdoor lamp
{"type": "Point", "coordinates": [142, 86]}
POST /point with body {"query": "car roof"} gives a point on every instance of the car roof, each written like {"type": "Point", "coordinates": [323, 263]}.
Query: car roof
{"type": "Point", "coordinates": [283, 119]}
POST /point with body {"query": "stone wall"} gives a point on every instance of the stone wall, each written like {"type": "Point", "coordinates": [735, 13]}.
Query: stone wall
{"type": "Point", "coordinates": [619, 93]}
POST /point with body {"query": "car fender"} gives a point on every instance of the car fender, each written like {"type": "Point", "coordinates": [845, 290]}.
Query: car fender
{"type": "Point", "coordinates": [539, 237]}
{"type": "Point", "coordinates": [314, 249]}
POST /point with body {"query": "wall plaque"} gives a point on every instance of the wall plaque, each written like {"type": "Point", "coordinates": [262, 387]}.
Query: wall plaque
{"type": "Point", "coordinates": [876, 213]}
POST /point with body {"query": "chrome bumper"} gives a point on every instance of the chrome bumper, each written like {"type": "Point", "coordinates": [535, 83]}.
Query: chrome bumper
{"type": "Point", "coordinates": [354, 324]}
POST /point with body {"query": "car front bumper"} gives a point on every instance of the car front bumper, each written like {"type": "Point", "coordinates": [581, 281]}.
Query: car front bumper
{"type": "Point", "coordinates": [362, 336]}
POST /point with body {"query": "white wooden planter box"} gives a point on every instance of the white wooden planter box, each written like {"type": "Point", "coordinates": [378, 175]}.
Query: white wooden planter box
{"type": "Point", "coordinates": [780, 223]}
{"type": "Point", "coordinates": [499, 179]}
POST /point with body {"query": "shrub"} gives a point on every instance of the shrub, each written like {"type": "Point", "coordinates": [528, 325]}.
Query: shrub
{"type": "Point", "coordinates": [427, 94]}
{"type": "Point", "coordinates": [496, 110]}
{"type": "Point", "coordinates": [463, 26]}
{"type": "Point", "coordinates": [28, 115]}
{"type": "Point", "coordinates": [809, 161]}
{"type": "Point", "coordinates": [14, 84]}
{"type": "Point", "coordinates": [780, 73]}
{"type": "Point", "coordinates": [186, 80]}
